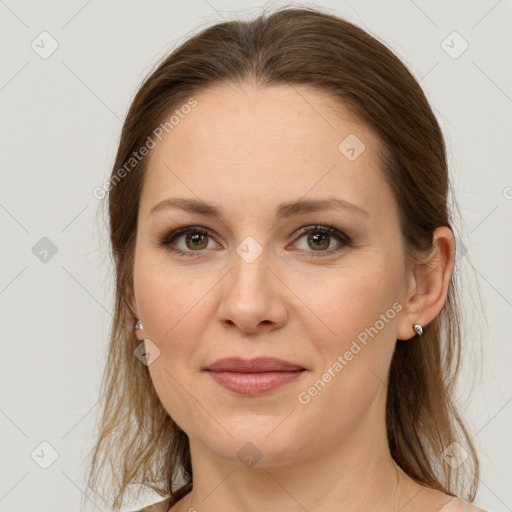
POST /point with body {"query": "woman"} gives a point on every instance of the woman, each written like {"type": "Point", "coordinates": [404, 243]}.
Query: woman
{"type": "Point", "coordinates": [286, 332]}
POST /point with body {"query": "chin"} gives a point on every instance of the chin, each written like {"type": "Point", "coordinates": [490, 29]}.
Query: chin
{"type": "Point", "coordinates": [257, 442]}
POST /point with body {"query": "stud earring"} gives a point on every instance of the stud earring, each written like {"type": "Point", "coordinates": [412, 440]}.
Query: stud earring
{"type": "Point", "coordinates": [138, 326]}
{"type": "Point", "coordinates": [418, 328]}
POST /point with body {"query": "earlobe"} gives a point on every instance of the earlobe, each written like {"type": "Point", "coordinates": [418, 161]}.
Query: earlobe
{"type": "Point", "coordinates": [418, 329]}
{"type": "Point", "coordinates": [138, 327]}
{"type": "Point", "coordinates": [429, 283]}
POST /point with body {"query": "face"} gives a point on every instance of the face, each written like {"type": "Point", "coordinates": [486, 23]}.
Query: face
{"type": "Point", "coordinates": [319, 288]}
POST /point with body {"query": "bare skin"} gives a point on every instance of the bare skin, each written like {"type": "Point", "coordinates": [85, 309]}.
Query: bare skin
{"type": "Point", "coordinates": [247, 151]}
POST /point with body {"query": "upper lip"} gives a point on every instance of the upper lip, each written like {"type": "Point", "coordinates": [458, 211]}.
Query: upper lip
{"type": "Point", "coordinates": [257, 365]}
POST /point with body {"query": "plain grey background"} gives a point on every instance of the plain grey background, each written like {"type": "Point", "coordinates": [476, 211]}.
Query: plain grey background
{"type": "Point", "coordinates": [61, 116]}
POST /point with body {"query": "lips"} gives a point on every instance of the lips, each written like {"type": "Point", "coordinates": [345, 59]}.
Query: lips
{"type": "Point", "coordinates": [258, 365]}
{"type": "Point", "coordinates": [255, 376]}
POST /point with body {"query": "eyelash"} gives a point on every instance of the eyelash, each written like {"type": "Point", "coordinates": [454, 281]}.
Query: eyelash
{"type": "Point", "coordinates": [166, 240]}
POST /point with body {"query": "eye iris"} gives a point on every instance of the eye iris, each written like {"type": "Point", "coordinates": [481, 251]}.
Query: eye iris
{"type": "Point", "coordinates": [196, 238]}
{"type": "Point", "coordinates": [319, 238]}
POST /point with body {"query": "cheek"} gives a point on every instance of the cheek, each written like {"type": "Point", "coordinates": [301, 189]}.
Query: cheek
{"type": "Point", "coordinates": [362, 312]}
{"type": "Point", "coordinates": [350, 301]}
{"type": "Point", "coordinates": [358, 310]}
{"type": "Point", "coordinates": [178, 395]}
{"type": "Point", "coordinates": [168, 300]}
{"type": "Point", "coordinates": [170, 304]}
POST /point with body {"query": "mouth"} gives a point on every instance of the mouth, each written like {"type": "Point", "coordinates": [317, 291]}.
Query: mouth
{"type": "Point", "coordinates": [254, 377]}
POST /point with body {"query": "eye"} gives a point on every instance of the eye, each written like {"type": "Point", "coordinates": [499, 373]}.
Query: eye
{"type": "Point", "coordinates": [320, 237]}
{"type": "Point", "coordinates": [196, 239]}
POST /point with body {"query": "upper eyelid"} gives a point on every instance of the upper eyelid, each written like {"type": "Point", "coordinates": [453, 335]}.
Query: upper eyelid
{"type": "Point", "coordinates": [185, 229]}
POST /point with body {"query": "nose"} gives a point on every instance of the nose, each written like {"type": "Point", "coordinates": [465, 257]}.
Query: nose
{"type": "Point", "coordinates": [253, 296]}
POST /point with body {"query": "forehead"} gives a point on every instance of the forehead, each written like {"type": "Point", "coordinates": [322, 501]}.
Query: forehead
{"type": "Point", "coordinates": [246, 146]}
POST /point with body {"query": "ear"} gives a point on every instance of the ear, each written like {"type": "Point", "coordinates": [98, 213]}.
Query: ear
{"type": "Point", "coordinates": [428, 284]}
{"type": "Point", "coordinates": [132, 304]}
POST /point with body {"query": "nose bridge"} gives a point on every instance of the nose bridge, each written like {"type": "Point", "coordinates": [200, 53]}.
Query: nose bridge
{"type": "Point", "coordinates": [250, 272]}
{"type": "Point", "coordinates": [249, 296]}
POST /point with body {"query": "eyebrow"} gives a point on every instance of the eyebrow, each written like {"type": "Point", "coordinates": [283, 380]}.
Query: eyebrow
{"type": "Point", "coordinates": [284, 210]}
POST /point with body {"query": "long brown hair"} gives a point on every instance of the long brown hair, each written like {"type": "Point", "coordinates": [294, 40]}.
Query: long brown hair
{"type": "Point", "coordinates": [138, 442]}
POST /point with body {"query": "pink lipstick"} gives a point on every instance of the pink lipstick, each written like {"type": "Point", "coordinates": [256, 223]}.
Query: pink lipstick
{"type": "Point", "coordinates": [255, 376]}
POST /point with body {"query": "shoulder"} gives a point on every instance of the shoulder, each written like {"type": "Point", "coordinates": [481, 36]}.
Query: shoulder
{"type": "Point", "coordinates": [458, 505]}
{"type": "Point", "coordinates": [160, 506]}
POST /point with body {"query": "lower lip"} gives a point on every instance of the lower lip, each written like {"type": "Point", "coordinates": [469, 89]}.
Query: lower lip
{"type": "Point", "coordinates": [254, 383]}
